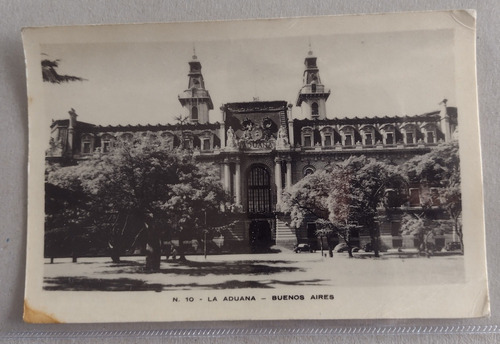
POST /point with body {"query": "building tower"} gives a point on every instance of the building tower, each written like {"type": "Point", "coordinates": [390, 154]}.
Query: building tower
{"type": "Point", "coordinates": [196, 100]}
{"type": "Point", "coordinates": [313, 95]}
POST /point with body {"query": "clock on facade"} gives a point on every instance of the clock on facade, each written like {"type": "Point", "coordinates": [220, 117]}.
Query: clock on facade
{"type": "Point", "coordinates": [257, 133]}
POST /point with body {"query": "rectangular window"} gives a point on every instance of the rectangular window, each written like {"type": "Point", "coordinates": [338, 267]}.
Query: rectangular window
{"type": "Point", "coordinates": [409, 138]}
{"type": "Point", "coordinates": [435, 199]}
{"type": "Point", "coordinates": [86, 148]}
{"type": "Point", "coordinates": [63, 135]}
{"type": "Point", "coordinates": [307, 141]}
{"type": "Point", "coordinates": [389, 139]}
{"type": "Point", "coordinates": [414, 197]}
{"type": "Point", "coordinates": [328, 140]}
{"type": "Point", "coordinates": [348, 140]}
{"type": "Point", "coordinates": [105, 146]}
{"type": "Point", "coordinates": [206, 144]}
{"type": "Point", "coordinates": [368, 139]}
{"type": "Point", "coordinates": [430, 137]}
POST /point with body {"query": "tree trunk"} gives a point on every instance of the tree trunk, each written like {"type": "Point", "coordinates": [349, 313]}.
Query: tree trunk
{"type": "Point", "coordinates": [115, 256]}
{"type": "Point", "coordinates": [180, 251]}
{"type": "Point", "coordinates": [114, 252]}
{"type": "Point", "coordinates": [374, 236]}
{"type": "Point", "coordinates": [375, 245]}
{"type": "Point", "coordinates": [331, 246]}
{"type": "Point", "coordinates": [117, 241]}
{"type": "Point", "coordinates": [74, 244]}
{"type": "Point", "coordinates": [153, 249]}
{"type": "Point", "coordinates": [460, 235]}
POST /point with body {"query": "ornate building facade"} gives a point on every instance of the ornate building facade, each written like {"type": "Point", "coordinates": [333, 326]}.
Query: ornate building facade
{"type": "Point", "coordinates": [261, 150]}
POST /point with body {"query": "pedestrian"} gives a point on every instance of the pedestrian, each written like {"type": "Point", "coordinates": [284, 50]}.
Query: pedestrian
{"type": "Point", "coordinates": [168, 250]}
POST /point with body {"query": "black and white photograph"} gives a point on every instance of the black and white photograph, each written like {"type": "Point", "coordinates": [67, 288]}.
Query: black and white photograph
{"type": "Point", "coordinates": [305, 168]}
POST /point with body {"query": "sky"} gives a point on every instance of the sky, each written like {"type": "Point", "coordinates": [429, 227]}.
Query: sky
{"type": "Point", "coordinates": [372, 74]}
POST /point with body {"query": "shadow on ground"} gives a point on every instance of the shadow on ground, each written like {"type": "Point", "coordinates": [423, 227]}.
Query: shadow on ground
{"type": "Point", "coordinates": [129, 284]}
{"type": "Point", "coordinates": [190, 268]}
{"type": "Point", "coordinates": [172, 269]}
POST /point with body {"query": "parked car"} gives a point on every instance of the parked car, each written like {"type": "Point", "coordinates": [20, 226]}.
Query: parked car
{"type": "Point", "coordinates": [303, 248]}
{"type": "Point", "coordinates": [369, 248]}
{"type": "Point", "coordinates": [344, 248]}
{"type": "Point", "coordinates": [453, 246]}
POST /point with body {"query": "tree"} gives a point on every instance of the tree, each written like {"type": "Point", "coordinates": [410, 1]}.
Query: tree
{"type": "Point", "coordinates": [343, 198]}
{"type": "Point", "coordinates": [424, 228]}
{"type": "Point", "coordinates": [440, 168]}
{"type": "Point", "coordinates": [145, 185]}
{"type": "Point", "coordinates": [66, 221]}
{"type": "Point", "coordinates": [50, 74]}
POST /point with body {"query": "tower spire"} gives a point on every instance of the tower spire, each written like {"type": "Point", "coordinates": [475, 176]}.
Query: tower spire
{"type": "Point", "coordinates": [313, 95]}
{"type": "Point", "coordinates": [194, 52]}
{"type": "Point", "coordinates": [195, 99]}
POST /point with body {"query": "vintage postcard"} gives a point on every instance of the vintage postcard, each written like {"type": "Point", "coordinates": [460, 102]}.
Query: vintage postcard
{"type": "Point", "coordinates": [303, 168]}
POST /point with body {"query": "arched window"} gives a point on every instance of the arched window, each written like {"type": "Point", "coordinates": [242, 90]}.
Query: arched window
{"type": "Point", "coordinates": [347, 133]}
{"type": "Point", "coordinates": [168, 139]}
{"type": "Point", "coordinates": [429, 132]}
{"type": "Point", "coordinates": [367, 134]}
{"type": "Point", "coordinates": [409, 133]}
{"type": "Point", "coordinates": [314, 109]}
{"type": "Point", "coordinates": [308, 170]}
{"type": "Point", "coordinates": [126, 137]}
{"type": "Point", "coordinates": [431, 137]}
{"type": "Point", "coordinates": [389, 134]}
{"type": "Point", "coordinates": [326, 136]}
{"type": "Point", "coordinates": [259, 190]}
{"type": "Point", "coordinates": [87, 144]}
{"type": "Point", "coordinates": [194, 114]}
{"type": "Point", "coordinates": [106, 143]}
{"type": "Point", "coordinates": [307, 137]}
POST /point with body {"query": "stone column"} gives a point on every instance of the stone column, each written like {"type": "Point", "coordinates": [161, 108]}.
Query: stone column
{"type": "Point", "coordinates": [445, 121]}
{"type": "Point", "coordinates": [222, 129]}
{"type": "Point", "coordinates": [222, 134]}
{"type": "Point", "coordinates": [291, 137]}
{"type": "Point", "coordinates": [237, 182]}
{"type": "Point", "coordinates": [288, 173]}
{"type": "Point", "coordinates": [71, 133]}
{"type": "Point", "coordinates": [227, 176]}
{"type": "Point", "coordinates": [277, 175]}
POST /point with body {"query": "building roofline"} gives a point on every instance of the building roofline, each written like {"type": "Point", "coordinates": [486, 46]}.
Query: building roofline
{"type": "Point", "coordinates": [431, 116]}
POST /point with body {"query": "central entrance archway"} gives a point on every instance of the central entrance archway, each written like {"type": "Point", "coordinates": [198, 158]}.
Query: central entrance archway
{"type": "Point", "coordinates": [260, 236]}
{"type": "Point", "coordinates": [259, 190]}
{"type": "Point", "coordinates": [259, 207]}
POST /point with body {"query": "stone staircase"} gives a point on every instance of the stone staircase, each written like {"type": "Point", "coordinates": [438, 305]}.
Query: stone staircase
{"type": "Point", "coordinates": [285, 236]}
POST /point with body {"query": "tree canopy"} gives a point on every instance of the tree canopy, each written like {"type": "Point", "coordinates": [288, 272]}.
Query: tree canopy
{"type": "Point", "coordinates": [50, 74]}
{"type": "Point", "coordinates": [342, 197]}
{"type": "Point", "coordinates": [440, 168]}
{"type": "Point", "coordinates": [147, 185]}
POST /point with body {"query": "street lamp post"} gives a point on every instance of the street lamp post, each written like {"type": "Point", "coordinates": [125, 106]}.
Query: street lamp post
{"type": "Point", "coordinates": [205, 236]}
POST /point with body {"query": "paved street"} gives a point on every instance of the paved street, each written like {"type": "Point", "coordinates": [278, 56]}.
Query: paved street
{"type": "Point", "coordinates": [272, 270]}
